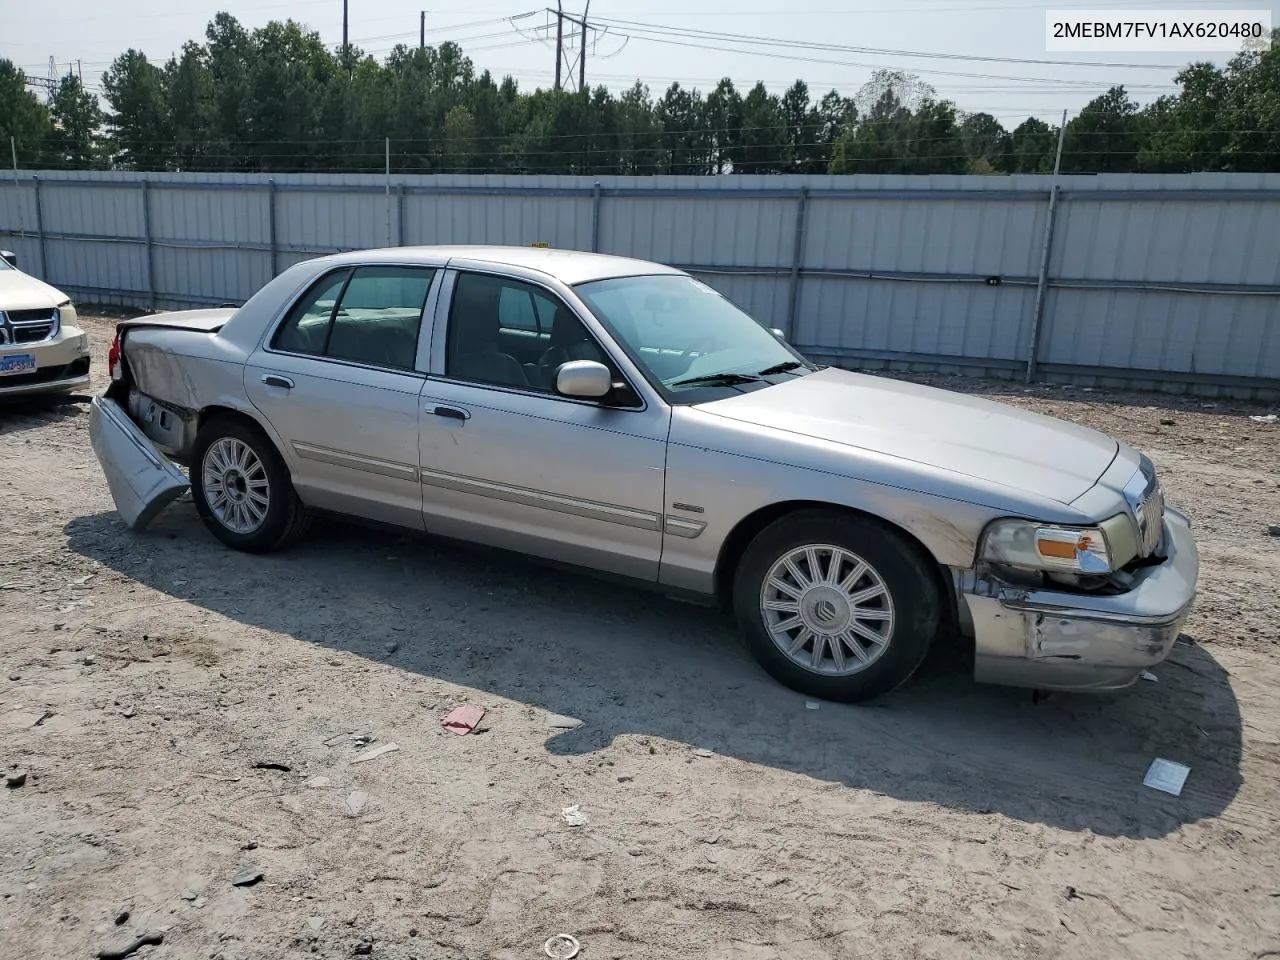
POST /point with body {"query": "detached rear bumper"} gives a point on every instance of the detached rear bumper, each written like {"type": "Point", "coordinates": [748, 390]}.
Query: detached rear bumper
{"type": "Point", "coordinates": [1054, 640]}
{"type": "Point", "coordinates": [142, 482]}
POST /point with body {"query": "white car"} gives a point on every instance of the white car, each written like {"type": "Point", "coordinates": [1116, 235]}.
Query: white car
{"type": "Point", "coordinates": [42, 351]}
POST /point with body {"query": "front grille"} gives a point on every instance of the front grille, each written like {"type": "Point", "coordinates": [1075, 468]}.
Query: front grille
{"type": "Point", "coordinates": [30, 326]}
{"type": "Point", "coordinates": [43, 315]}
{"type": "Point", "coordinates": [1146, 500]}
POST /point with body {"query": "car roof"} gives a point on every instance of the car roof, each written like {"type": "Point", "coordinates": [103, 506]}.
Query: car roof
{"type": "Point", "coordinates": [568, 266]}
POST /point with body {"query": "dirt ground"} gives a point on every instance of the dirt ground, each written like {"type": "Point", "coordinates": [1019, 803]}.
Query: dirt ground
{"type": "Point", "coordinates": [153, 686]}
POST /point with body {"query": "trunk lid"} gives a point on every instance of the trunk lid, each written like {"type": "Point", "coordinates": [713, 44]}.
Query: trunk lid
{"type": "Point", "coordinates": [202, 321]}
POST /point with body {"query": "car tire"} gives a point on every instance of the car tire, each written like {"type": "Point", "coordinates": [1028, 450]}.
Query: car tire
{"type": "Point", "coordinates": [242, 489]}
{"type": "Point", "coordinates": [882, 588]}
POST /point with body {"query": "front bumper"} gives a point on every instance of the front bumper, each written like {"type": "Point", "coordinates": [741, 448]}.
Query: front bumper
{"type": "Point", "coordinates": [62, 366]}
{"type": "Point", "coordinates": [1054, 640]}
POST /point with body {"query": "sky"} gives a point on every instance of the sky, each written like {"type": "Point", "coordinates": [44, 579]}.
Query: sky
{"type": "Point", "coordinates": [657, 41]}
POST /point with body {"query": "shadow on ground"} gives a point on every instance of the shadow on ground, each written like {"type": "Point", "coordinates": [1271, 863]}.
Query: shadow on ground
{"type": "Point", "coordinates": [628, 662]}
{"type": "Point", "coordinates": [26, 413]}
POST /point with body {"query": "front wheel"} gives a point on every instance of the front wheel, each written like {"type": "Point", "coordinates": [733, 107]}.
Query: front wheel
{"type": "Point", "coordinates": [836, 606]}
{"type": "Point", "coordinates": [242, 489]}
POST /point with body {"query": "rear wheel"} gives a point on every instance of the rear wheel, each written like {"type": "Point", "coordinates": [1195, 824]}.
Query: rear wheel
{"type": "Point", "coordinates": [835, 605]}
{"type": "Point", "coordinates": [242, 489]}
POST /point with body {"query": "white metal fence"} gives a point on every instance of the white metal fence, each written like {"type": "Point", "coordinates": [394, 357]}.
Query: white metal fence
{"type": "Point", "coordinates": [1149, 279]}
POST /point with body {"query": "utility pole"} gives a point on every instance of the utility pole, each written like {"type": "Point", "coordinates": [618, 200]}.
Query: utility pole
{"type": "Point", "coordinates": [345, 46]}
{"type": "Point", "coordinates": [422, 29]}
{"type": "Point", "coordinates": [582, 56]}
{"type": "Point", "coordinates": [559, 40]}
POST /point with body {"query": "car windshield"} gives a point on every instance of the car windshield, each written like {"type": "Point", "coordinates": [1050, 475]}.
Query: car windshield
{"type": "Point", "coordinates": [688, 337]}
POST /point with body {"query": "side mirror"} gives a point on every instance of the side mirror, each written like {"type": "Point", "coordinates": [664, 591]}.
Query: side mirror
{"type": "Point", "coordinates": [9, 257]}
{"type": "Point", "coordinates": [583, 378]}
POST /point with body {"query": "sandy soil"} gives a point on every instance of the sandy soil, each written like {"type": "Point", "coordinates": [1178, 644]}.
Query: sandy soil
{"type": "Point", "coordinates": [145, 681]}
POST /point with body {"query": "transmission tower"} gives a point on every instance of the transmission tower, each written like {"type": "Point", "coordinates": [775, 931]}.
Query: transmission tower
{"type": "Point", "coordinates": [564, 43]}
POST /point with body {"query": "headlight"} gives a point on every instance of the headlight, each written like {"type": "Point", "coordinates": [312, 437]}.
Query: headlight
{"type": "Point", "coordinates": [1040, 546]}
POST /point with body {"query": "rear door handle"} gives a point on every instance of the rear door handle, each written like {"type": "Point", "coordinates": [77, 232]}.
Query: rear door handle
{"type": "Point", "coordinates": [275, 380]}
{"type": "Point", "coordinates": [452, 413]}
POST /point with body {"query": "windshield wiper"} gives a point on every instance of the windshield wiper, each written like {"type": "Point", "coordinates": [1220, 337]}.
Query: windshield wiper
{"type": "Point", "coordinates": [718, 380]}
{"type": "Point", "coordinates": [783, 367]}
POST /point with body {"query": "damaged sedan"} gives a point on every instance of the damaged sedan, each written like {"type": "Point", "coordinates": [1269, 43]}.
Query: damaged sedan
{"type": "Point", "coordinates": [623, 417]}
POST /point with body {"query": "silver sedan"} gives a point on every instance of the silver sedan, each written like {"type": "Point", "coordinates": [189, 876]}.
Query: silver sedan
{"type": "Point", "coordinates": [624, 417]}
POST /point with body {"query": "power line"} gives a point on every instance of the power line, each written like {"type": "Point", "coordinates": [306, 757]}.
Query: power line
{"type": "Point", "coordinates": [1090, 84]}
{"type": "Point", "coordinates": [743, 38]}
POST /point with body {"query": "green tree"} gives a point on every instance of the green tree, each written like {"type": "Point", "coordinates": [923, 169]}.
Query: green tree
{"type": "Point", "coordinates": [1105, 136]}
{"type": "Point", "coordinates": [193, 110]}
{"type": "Point", "coordinates": [1032, 147]}
{"type": "Point", "coordinates": [77, 121]}
{"type": "Point", "coordinates": [764, 146]}
{"type": "Point", "coordinates": [640, 146]}
{"type": "Point", "coordinates": [724, 122]}
{"type": "Point", "coordinates": [687, 142]}
{"type": "Point", "coordinates": [139, 122]}
{"type": "Point", "coordinates": [985, 142]}
{"type": "Point", "coordinates": [22, 116]}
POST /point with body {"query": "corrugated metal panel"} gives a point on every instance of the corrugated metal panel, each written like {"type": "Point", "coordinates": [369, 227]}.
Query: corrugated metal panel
{"type": "Point", "coordinates": [718, 230]}
{"type": "Point", "coordinates": [891, 264]}
{"type": "Point", "coordinates": [967, 320]}
{"type": "Point", "coordinates": [1153, 330]}
{"type": "Point", "coordinates": [445, 219]}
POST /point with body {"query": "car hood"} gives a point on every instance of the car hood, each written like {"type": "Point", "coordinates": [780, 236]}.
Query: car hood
{"type": "Point", "coordinates": [993, 442]}
{"type": "Point", "coordinates": [21, 291]}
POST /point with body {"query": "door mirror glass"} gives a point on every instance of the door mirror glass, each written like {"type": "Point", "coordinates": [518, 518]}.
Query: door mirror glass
{"type": "Point", "coordinates": [583, 378]}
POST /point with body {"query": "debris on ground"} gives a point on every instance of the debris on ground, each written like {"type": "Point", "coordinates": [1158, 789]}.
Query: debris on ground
{"type": "Point", "coordinates": [152, 938]}
{"type": "Point", "coordinates": [562, 946]}
{"type": "Point", "coordinates": [1268, 418]}
{"type": "Point", "coordinates": [247, 876]}
{"type": "Point", "coordinates": [573, 816]}
{"type": "Point", "coordinates": [703, 752]}
{"type": "Point", "coordinates": [1167, 421]}
{"type": "Point", "coordinates": [1274, 529]}
{"type": "Point", "coordinates": [1148, 675]}
{"type": "Point", "coordinates": [557, 722]}
{"type": "Point", "coordinates": [462, 720]}
{"type": "Point", "coordinates": [122, 916]}
{"type": "Point", "coordinates": [1166, 776]}
{"type": "Point", "coordinates": [812, 705]}
{"type": "Point", "coordinates": [315, 923]}
{"type": "Point", "coordinates": [358, 737]}
{"type": "Point", "coordinates": [362, 949]}
{"type": "Point", "coordinates": [272, 765]}
{"type": "Point", "coordinates": [376, 752]}
{"type": "Point", "coordinates": [188, 894]}
{"type": "Point", "coordinates": [356, 802]}
{"type": "Point", "coordinates": [48, 714]}
{"type": "Point", "coordinates": [15, 779]}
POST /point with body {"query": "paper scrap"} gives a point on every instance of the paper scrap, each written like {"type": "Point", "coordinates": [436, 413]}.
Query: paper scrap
{"type": "Point", "coordinates": [1166, 776]}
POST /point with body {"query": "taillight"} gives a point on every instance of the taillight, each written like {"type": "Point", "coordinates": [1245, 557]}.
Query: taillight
{"type": "Point", "coordinates": [113, 358]}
